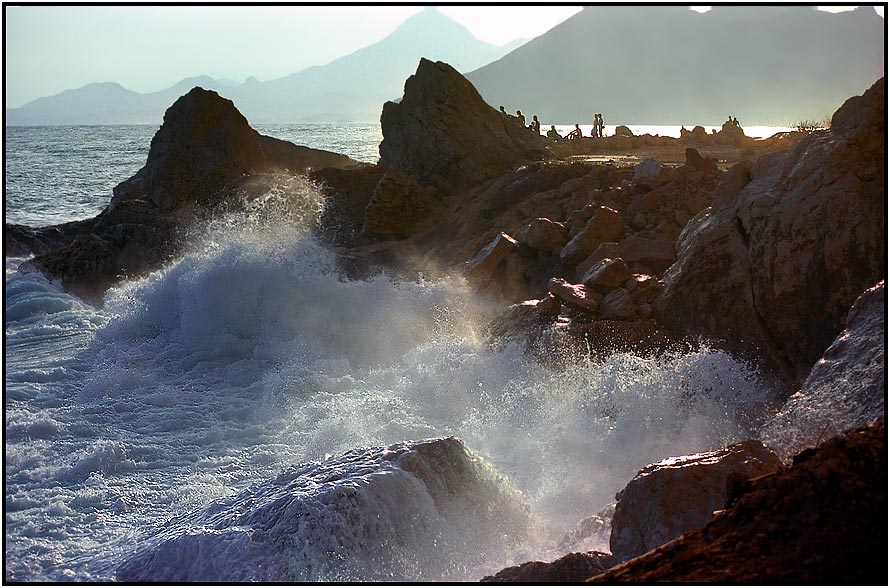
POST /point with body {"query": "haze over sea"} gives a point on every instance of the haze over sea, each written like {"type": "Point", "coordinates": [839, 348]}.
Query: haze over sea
{"type": "Point", "coordinates": [57, 174]}
{"type": "Point", "coordinates": [247, 413]}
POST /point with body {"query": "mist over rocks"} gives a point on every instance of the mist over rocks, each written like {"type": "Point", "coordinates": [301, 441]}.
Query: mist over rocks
{"type": "Point", "coordinates": [205, 160]}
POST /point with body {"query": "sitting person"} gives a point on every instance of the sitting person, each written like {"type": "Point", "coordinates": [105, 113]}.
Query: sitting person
{"type": "Point", "coordinates": [575, 133]}
{"type": "Point", "coordinates": [552, 134]}
{"type": "Point", "coordinates": [521, 117]}
{"type": "Point", "coordinates": [535, 125]}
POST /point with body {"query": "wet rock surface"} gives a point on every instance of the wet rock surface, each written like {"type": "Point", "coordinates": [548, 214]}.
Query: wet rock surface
{"type": "Point", "coordinates": [680, 494]}
{"type": "Point", "coordinates": [821, 521]}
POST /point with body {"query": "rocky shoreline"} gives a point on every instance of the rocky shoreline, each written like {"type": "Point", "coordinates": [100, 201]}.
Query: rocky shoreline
{"type": "Point", "coordinates": [779, 259]}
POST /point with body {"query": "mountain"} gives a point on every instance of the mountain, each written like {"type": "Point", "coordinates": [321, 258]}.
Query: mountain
{"type": "Point", "coordinates": [671, 65]}
{"type": "Point", "coordinates": [351, 88]}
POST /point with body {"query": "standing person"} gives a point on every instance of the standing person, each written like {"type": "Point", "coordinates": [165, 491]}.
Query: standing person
{"type": "Point", "coordinates": [520, 117]}
{"type": "Point", "coordinates": [594, 132]}
{"type": "Point", "coordinates": [602, 126]}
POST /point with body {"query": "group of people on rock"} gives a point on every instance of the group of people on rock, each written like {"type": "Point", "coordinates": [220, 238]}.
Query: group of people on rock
{"type": "Point", "coordinates": [576, 133]}
{"type": "Point", "coordinates": [520, 118]}
{"type": "Point", "coordinates": [732, 122]}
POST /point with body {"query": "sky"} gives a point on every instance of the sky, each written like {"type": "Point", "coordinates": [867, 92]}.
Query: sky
{"type": "Point", "coordinates": [49, 49]}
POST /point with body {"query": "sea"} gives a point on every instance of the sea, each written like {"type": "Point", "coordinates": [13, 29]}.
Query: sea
{"type": "Point", "coordinates": [247, 413]}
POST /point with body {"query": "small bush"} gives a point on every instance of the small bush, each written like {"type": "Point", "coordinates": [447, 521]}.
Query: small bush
{"type": "Point", "coordinates": [810, 125]}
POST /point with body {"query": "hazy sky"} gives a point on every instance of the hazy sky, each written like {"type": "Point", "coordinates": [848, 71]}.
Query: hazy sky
{"type": "Point", "coordinates": [148, 48]}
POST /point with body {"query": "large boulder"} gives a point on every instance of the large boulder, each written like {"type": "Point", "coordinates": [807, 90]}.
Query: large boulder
{"type": "Point", "coordinates": [846, 387]}
{"type": "Point", "coordinates": [680, 494]}
{"type": "Point", "coordinates": [772, 268]}
{"type": "Point", "coordinates": [204, 145]}
{"type": "Point", "coordinates": [443, 134]}
{"type": "Point", "coordinates": [605, 226]}
{"type": "Point", "coordinates": [657, 254]}
{"type": "Point", "coordinates": [544, 235]}
{"type": "Point", "coordinates": [823, 521]}
{"type": "Point", "coordinates": [607, 274]}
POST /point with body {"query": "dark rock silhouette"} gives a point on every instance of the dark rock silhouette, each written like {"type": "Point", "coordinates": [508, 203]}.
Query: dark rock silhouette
{"type": "Point", "coordinates": [444, 135]}
{"type": "Point", "coordinates": [204, 160]}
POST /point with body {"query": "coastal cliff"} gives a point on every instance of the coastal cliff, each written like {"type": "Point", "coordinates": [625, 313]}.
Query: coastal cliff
{"type": "Point", "coordinates": [764, 260]}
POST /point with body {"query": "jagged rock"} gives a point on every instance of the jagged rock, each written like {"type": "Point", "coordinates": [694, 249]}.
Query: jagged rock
{"type": "Point", "coordinates": [649, 173]}
{"type": "Point", "coordinates": [605, 225]}
{"type": "Point", "coordinates": [544, 235]}
{"type": "Point", "coordinates": [443, 134]}
{"type": "Point", "coordinates": [576, 295]}
{"type": "Point", "coordinates": [680, 494]}
{"type": "Point", "coordinates": [694, 160]}
{"type": "Point", "coordinates": [623, 131]}
{"type": "Point", "coordinates": [204, 145]}
{"type": "Point", "coordinates": [603, 251]}
{"type": "Point", "coordinates": [400, 207]}
{"type": "Point", "coordinates": [618, 305]}
{"type": "Point", "coordinates": [823, 521]}
{"type": "Point", "coordinates": [792, 240]}
{"type": "Point", "coordinates": [482, 266]}
{"type": "Point", "coordinates": [606, 275]}
{"type": "Point", "coordinates": [657, 254]}
{"type": "Point", "coordinates": [698, 134]}
{"type": "Point", "coordinates": [846, 387]}
{"type": "Point", "coordinates": [570, 568]}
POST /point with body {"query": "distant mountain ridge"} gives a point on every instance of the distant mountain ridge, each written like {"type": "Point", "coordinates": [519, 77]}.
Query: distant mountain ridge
{"type": "Point", "coordinates": [671, 65]}
{"type": "Point", "coordinates": [351, 88]}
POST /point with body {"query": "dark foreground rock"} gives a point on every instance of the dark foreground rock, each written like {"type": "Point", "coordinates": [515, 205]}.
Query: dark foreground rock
{"type": "Point", "coordinates": [570, 568]}
{"type": "Point", "coordinates": [205, 160]}
{"type": "Point", "coordinates": [772, 268]}
{"type": "Point", "coordinates": [680, 494]}
{"type": "Point", "coordinates": [822, 521]}
{"type": "Point", "coordinates": [443, 134]}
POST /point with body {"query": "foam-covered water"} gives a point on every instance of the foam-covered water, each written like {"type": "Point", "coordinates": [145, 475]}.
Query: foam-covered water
{"type": "Point", "coordinates": [249, 413]}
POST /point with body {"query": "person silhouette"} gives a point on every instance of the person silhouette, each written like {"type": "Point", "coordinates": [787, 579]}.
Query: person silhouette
{"type": "Point", "coordinates": [575, 133]}
{"type": "Point", "coordinates": [520, 117]}
{"type": "Point", "coordinates": [535, 126]}
{"type": "Point", "coordinates": [552, 134]}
